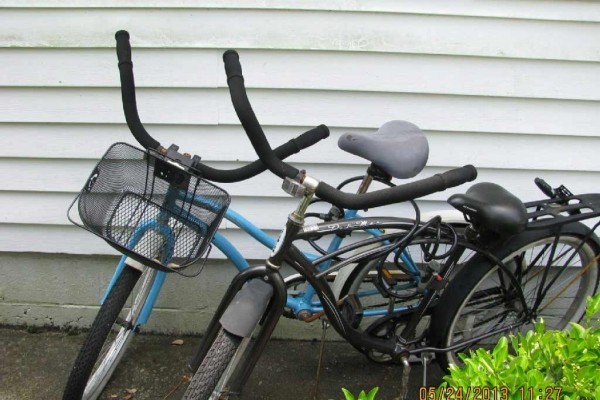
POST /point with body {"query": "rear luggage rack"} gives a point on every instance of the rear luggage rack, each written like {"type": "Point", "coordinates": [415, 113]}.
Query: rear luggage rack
{"type": "Point", "coordinates": [559, 211]}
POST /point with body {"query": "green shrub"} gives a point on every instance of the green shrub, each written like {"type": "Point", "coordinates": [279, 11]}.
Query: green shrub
{"type": "Point", "coordinates": [556, 364]}
{"type": "Point", "coordinates": [362, 395]}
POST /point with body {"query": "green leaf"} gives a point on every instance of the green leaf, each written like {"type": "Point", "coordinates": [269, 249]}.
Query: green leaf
{"type": "Point", "coordinates": [372, 393]}
{"type": "Point", "coordinates": [347, 394]}
{"type": "Point", "coordinates": [540, 326]}
{"type": "Point", "coordinates": [541, 359]}
{"type": "Point", "coordinates": [577, 331]}
{"type": "Point", "coordinates": [593, 307]}
{"type": "Point", "coordinates": [534, 378]}
{"type": "Point", "coordinates": [500, 352]}
{"type": "Point", "coordinates": [362, 395]}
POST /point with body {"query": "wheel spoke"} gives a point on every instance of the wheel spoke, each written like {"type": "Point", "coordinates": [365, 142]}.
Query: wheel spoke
{"type": "Point", "coordinates": [566, 267]}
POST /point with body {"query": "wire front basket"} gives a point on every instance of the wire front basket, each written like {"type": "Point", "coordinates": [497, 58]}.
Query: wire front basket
{"type": "Point", "coordinates": [150, 208]}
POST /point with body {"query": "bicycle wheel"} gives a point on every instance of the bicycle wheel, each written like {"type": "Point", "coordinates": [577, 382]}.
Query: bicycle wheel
{"type": "Point", "coordinates": [480, 299]}
{"type": "Point", "coordinates": [211, 378]}
{"type": "Point", "coordinates": [381, 294]}
{"type": "Point", "coordinates": [109, 335]}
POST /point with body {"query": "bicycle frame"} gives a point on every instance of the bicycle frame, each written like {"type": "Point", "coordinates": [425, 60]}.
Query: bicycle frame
{"type": "Point", "coordinates": [219, 242]}
{"type": "Point", "coordinates": [304, 302]}
{"type": "Point", "coordinates": [398, 349]}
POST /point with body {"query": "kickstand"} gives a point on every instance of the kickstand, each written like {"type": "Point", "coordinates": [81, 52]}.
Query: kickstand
{"type": "Point", "coordinates": [425, 359]}
{"type": "Point", "coordinates": [325, 325]}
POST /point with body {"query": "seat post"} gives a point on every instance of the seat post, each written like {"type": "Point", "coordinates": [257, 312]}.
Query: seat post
{"type": "Point", "coordinates": [373, 172]}
{"type": "Point", "coordinates": [366, 182]}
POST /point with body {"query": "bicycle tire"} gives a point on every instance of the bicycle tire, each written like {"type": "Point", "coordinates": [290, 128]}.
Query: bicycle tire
{"type": "Point", "coordinates": [221, 354]}
{"type": "Point", "coordinates": [84, 381]}
{"type": "Point", "coordinates": [474, 287]}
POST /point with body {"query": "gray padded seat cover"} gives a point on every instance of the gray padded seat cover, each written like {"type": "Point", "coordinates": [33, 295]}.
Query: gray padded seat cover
{"type": "Point", "coordinates": [399, 147]}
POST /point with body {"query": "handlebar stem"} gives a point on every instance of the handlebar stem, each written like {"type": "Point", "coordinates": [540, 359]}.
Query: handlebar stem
{"type": "Point", "coordinates": [310, 186]}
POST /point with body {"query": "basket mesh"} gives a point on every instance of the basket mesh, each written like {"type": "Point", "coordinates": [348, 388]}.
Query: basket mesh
{"type": "Point", "coordinates": [149, 209]}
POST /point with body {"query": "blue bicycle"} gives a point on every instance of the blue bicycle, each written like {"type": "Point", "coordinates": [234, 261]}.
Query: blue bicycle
{"type": "Point", "coordinates": [153, 207]}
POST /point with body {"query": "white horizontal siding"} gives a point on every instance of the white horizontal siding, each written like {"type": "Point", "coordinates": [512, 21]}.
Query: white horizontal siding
{"type": "Point", "coordinates": [72, 240]}
{"type": "Point", "coordinates": [305, 108]}
{"type": "Point", "coordinates": [301, 30]}
{"type": "Point", "coordinates": [72, 144]}
{"type": "Point", "coordinates": [45, 207]}
{"type": "Point", "coordinates": [525, 9]}
{"type": "Point", "coordinates": [25, 209]}
{"type": "Point", "coordinates": [512, 88]}
{"type": "Point", "coordinates": [323, 70]}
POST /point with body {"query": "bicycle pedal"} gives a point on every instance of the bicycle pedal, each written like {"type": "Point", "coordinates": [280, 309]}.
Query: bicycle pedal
{"type": "Point", "coordinates": [388, 278]}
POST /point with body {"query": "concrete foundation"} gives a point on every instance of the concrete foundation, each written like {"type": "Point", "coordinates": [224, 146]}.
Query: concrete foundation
{"type": "Point", "coordinates": [59, 290]}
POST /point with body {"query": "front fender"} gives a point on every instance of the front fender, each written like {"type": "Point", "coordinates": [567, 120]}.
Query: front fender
{"type": "Point", "coordinates": [247, 307]}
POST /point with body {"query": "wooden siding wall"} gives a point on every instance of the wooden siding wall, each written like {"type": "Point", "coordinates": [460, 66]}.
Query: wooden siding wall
{"type": "Point", "coordinates": [511, 87]}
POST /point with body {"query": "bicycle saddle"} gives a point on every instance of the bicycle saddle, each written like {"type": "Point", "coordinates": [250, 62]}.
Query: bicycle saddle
{"type": "Point", "coordinates": [398, 147]}
{"type": "Point", "coordinates": [493, 207]}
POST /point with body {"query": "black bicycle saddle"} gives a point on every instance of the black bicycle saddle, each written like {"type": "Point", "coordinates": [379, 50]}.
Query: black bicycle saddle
{"type": "Point", "coordinates": [491, 206]}
{"type": "Point", "coordinates": [398, 147]}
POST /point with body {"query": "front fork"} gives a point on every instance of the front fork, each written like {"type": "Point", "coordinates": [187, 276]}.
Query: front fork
{"type": "Point", "coordinates": [267, 319]}
{"type": "Point", "coordinates": [242, 295]}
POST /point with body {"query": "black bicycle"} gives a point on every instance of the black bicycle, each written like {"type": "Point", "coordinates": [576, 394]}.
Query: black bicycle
{"type": "Point", "coordinates": [511, 264]}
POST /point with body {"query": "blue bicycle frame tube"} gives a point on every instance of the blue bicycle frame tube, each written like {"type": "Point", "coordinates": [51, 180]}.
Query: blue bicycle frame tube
{"type": "Point", "coordinates": [151, 224]}
{"type": "Point", "coordinates": [250, 228]}
{"type": "Point", "coordinates": [224, 246]}
{"type": "Point", "coordinates": [116, 274]}
{"type": "Point", "coordinates": [230, 251]}
{"type": "Point", "coordinates": [169, 247]}
{"type": "Point", "coordinates": [306, 302]}
{"type": "Point", "coordinates": [296, 304]}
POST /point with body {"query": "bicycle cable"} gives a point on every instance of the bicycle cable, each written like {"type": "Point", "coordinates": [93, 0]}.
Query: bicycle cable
{"type": "Point", "coordinates": [442, 229]}
{"type": "Point", "coordinates": [340, 213]}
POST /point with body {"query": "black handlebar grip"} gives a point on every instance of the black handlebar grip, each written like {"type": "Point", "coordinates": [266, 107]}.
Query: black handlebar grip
{"type": "Point", "coordinates": [246, 115]}
{"type": "Point", "coordinates": [248, 171]}
{"type": "Point", "coordinates": [231, 59]}
{"type": "Point", "coordinates": [128, 93]}
{"type": "Point", "coordinates": [458, 176]}
{"type": "Point", "coordinates": [397, 194]}
{"type": "Point", "coordinates": [544, 187]}
{"type": "Point", "coordinates": [123, 47]}
{"type": "Point", "coordinates": [311, 137]}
